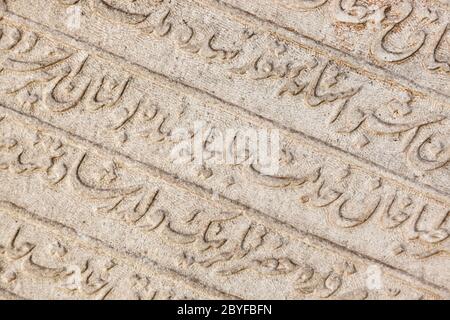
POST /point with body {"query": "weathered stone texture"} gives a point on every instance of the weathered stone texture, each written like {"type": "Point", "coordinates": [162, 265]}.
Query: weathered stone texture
{"type": "Point", "coordinates": [93, 205]}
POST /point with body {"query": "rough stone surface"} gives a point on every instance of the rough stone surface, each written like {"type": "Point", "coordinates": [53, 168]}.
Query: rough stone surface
{"type": "Point", "coordinates": [94, 206]}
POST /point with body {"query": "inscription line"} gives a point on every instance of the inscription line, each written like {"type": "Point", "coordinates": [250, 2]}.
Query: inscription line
{"type": "Point", "coordinates": [357, 64]}
{"type": "Point", "coordinates": [236, 110]}
{"type": "Point", "coordinates": [223, 202]}
{"type": "Point", "coordinates": [64, 231]}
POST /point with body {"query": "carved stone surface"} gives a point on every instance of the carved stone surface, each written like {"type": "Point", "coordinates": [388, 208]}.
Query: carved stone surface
{"type": "Point", "coordinates": [93, 204]}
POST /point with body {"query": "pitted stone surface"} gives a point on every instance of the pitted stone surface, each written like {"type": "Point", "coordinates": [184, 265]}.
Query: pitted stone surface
{"type": "Point", "coordinates": [94, 205]}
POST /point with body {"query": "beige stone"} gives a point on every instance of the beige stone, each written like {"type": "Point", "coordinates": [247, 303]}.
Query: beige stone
{"type": "Point", "coordinates": [93, 205]}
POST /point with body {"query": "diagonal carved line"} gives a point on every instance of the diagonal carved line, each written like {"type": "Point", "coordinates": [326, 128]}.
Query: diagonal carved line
{"type": "Point", "coordinates": [95, 244]}
{"type": "Point", "coordinates": [223, 202]}
{"type": "Point", "coordinates": [236, 110]}
{"type": "Point", "coordinates": [357, 64]}
{"type": "Point", "coordinates": [6, 294]}
{"type": "Point", "coordinates": [171, 83]}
